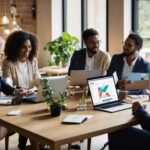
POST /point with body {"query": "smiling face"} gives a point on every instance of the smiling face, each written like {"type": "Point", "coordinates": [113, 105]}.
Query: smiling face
{"type": "Point", "coordinates": [25, 50]}
{"type": "Point", "coordinates": [92, 44]}
{"type": "Point", "coordinates": [129, 47]}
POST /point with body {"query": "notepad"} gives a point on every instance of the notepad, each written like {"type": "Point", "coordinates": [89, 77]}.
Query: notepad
{"type": "Point", "coordinates": [14, 113]}
{"type": "Point", "coordinates": [76, 119]}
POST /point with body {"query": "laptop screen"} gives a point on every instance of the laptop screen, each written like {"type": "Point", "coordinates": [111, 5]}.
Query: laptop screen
{"type": "Point", "coordinates": [102, 90]}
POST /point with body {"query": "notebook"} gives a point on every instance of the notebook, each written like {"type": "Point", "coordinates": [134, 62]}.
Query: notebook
{"type": "Point", "coordinates": [75, 119]}
{"type": "Point", "coordinates": [104, 94]}
{"type": "Point", "coordinates": [79, 77]}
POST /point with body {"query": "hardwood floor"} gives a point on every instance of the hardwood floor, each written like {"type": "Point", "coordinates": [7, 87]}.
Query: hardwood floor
{"type": "Point", "coordinates": [97, 143]}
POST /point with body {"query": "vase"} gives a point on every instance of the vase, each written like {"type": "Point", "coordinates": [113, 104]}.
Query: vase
{"type": "Point", "coordinates": [55, 110]}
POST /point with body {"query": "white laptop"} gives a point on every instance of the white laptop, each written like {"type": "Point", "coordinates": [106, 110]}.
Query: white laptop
{"type": "Point", "coordinates": [104, 94]}
{"type": "Point", "coordinates": [58, 84]}
{"type": "Point", "coordinates": [79, 77]}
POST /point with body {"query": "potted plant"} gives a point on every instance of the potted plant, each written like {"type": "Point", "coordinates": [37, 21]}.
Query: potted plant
{"type": "Point", "coordinates": [61, 48]}
{"type": "Point", "coordinates": [54, 103]}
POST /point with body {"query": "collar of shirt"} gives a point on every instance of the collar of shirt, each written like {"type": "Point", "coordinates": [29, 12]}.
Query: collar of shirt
{"type": "Point", "coordinates": [89, 62]}
{"type": "Point", "coordinates": [128, 69]}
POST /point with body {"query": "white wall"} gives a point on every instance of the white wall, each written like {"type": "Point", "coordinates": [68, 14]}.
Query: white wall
{"type": "Point", "coordinates": [115, 28]}
{"type": "Point", "coordinates": [119, 24]}
{"type": "Point", "coordinates": [43, 29]}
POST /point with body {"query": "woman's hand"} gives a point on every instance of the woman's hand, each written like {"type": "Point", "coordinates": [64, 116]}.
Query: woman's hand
{"type": "Point", "coordinates": [24, 92]}
{"type": "Point", "coordinates": [20, 92]}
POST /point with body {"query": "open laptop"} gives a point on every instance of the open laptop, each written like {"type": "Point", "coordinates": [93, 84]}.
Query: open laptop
{"type": "Point", "coordinates": [58, 84]}
{"type": "Point", "coordinates": [79, 77]}
{"type": "Point", "coordinates": [104, 94]}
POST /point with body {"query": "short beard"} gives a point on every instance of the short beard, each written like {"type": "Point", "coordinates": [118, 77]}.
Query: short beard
{"type": "Point", "coordinates": [93, 52]}
{"type": "Point", "coordinates": [128, 54]}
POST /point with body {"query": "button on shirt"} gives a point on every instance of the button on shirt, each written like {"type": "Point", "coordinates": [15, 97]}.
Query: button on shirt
{"type": "Point", "coordinates": [89, 62]}
{"type": "Point", "coordinates": [127, 69]}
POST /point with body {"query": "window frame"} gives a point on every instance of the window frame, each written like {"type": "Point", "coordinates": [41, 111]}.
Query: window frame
{"type": "Point", "coordinates": [84, 19]}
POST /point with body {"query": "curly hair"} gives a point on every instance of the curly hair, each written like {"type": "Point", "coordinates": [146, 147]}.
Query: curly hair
{"type": "Point", "coordinates": [15, 42]}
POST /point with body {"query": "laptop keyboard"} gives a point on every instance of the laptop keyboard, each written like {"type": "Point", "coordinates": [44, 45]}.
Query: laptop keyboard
{"type": "Point", "coordinates": [112, 105]}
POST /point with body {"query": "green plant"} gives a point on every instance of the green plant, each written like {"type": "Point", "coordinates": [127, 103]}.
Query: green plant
{"type": "Point", "coordinates": [61, 48]}
{"type": "Point", "coordinates": [47, 93]}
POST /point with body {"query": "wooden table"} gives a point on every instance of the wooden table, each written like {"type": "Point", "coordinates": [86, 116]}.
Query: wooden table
{"type": "Point", "coordinates": [36, 123]}
{"type": "Point", "coordinates": [54, 70]}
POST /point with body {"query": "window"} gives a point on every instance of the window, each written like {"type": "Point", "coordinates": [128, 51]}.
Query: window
{"type": "Point", "coordinates": [142, 25]}
{"type": "Point", "coordinates": [74, 16]}
{"type": "Point", "coordinates": [97, 19]}
{"type": "Point", "coordinates": [56, 18]}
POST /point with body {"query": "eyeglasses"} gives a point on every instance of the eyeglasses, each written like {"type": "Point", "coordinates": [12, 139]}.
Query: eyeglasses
{"type": "Point", "coordinates": [128, 45]}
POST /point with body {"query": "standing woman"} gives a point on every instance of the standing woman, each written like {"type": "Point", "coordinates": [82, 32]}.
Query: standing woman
{"type": "Point", "coordinates": [20, 64]}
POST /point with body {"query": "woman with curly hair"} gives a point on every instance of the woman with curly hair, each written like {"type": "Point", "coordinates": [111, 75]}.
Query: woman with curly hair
{"type": "Point", "coordinates": [20, 64]}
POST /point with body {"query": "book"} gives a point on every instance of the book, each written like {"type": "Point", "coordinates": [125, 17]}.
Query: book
{"type": "Point", "coordinates": [76, 119]}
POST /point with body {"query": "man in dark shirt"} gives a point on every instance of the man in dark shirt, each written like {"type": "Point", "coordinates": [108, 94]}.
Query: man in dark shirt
{"type": "Point", "coordinates": [8, 90]}
{"type": "Point", "coordinates": [133, 138]}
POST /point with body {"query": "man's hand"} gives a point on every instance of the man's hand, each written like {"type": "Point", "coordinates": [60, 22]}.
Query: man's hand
{"type": "Point", "coordinates": [135, 107]}
{"type": "Point", "coordinates": [122, 84]}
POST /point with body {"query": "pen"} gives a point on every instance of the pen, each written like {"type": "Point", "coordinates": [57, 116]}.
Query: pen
{"type": "Point", "coordinates": [85, 119]}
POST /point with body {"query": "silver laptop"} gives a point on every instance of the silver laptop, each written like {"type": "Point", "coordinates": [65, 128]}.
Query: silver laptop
{"type": "Point", "coordinates": [58, 84]}
{"type": "Point", "coordinates": [79, 77]}
{"type": "Point", "coordinates": [104, 94]}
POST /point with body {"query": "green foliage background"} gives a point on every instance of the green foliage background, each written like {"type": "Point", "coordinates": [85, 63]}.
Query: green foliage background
{"type": "Point", "coordinates": [144, 21]}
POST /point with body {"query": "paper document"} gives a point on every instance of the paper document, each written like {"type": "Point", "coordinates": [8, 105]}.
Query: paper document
{"type": "Point", "coordinates": [76, 118]}
{"type": "Point", "coordinates": [137, 96]}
